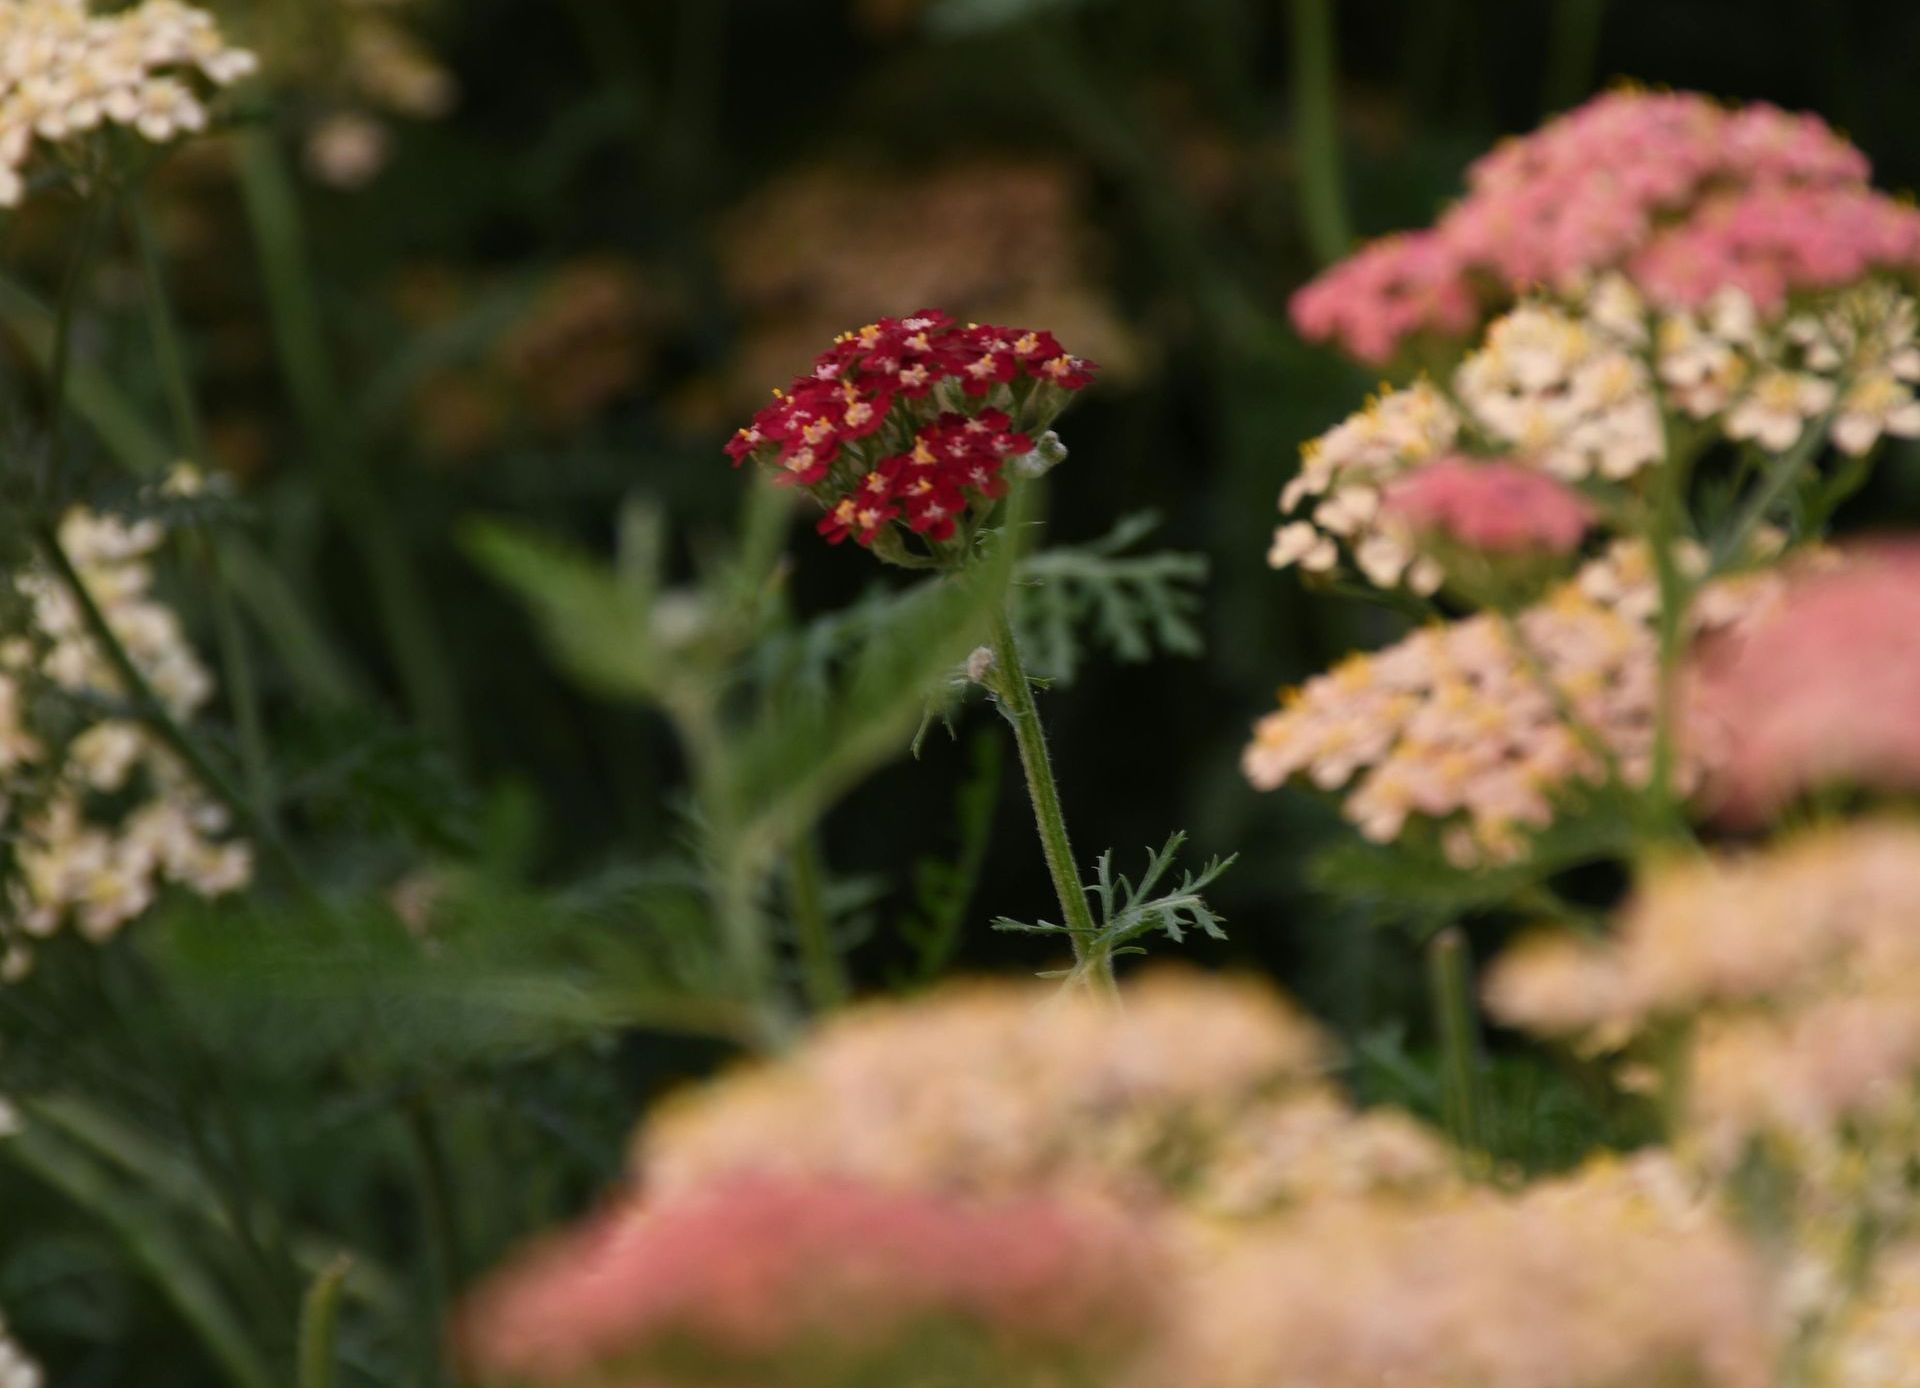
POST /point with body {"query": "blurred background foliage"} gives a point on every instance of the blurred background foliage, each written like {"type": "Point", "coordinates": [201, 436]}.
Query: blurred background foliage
{"type": "Point", "coordinates": [556, 250]}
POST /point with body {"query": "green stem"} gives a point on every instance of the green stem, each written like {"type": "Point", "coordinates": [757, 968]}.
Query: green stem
{"type": "Point", "coordinates": [822, 969]}
{"type": "Point", "coordinates": [439, 1224]}
{"type": "Point", "coordinates": [1015, 692]}
{"type": "Point", "coordinates": [1316, 131]}
{"type": "Point", "coordinates": [1676, 593]}
{"type": "Point", "coordinates": [1449, 976]}
{"type": "Point", "coordinates": [1783, 474]}
{"type": "Point", "coordinates": [236, 662]}
{"type": "Point", "coordinates": [413, 636]}
{"type": "Point", "coordinates": [320, 1323]}
{"type": "Point", "coordinates": [60, 360]}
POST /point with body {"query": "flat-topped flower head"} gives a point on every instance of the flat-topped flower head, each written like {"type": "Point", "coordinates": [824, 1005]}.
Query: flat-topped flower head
{"type": "Point", "coordinates": [1496, 508]}
{"type": "Point", "coordinates": [817, 1283]}
{"type": "Point", "coordinates": [907, 426]}
{"type": "Point", "coordinates": [1474, 728]}
{"type": "Point", "coordinates": [1825, 691]}
{"type": "Point", "coordinates": [1683, 196]}
{"type": "Point", "coordinates": [66, 72]}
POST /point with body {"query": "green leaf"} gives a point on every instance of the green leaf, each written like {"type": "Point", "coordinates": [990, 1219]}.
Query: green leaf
{"type": "Point", "coordinates": [153, 1243]}
{"type": "Point", "coordinates": [1097, 595]}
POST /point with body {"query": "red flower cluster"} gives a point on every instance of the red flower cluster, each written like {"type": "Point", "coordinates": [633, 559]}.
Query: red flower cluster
{"type": "Point", "coordinates": [911, 420]}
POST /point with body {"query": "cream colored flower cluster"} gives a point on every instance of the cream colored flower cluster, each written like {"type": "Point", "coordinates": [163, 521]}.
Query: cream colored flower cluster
{"type": "Point", "coordinates": [100, 813]}
{"type": "Point", "coordinates": [1798, 969]}
{"type": "Point", "coordinates": [1852, 357]}
{"type": "Point", "coordinates": [1477, 725]}
{"type": "Point", "coordinates": [1612, 1276]}
{"type": "Point", "coordinates": [1570, 387]}
{"type": "Point", "coordinates": [65, 72]}
{"type": "Point", "coordinates": [1199, 1087]}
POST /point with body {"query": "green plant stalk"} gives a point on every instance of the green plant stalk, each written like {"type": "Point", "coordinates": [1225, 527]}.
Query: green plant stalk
{"type": "Point", "coordinates": [438, 1221]}
{"type": "Point", "coordinates": [1676, 592]}
{"type": "Point", "coordinates": [413, 637]}
{"type": "Point", "coordinates": [320, 1323]}
{"type": "Point", "coordinates": [1316, 133]}
{"type": "Point", "coordinates": [1011, 683]}
{"type": "Point", "coordinates": [821, 967]}
{"type": "Point", "coordinates": [237, 663]}
{"type": "Point", "coordinates": [1449, 977]}
{"type": "Point", "coordinates": [1783, 474]}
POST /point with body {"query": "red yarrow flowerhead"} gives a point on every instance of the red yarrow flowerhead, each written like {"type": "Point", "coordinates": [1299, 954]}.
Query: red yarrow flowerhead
{"type": "Point", "coordinates": [1682, 195]}
{"type": "Point", "coordinates": [907, 425]}
{"type": "Point", "coordinates": [1496, 508]}
{"type": "Point", "coordinates": [812, 1284]}
{"type": "Point", "coordinates": [1823, 690]}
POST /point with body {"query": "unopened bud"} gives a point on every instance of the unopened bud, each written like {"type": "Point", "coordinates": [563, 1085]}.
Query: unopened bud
{"type": "Point", "coordinates": [980, 664]}
{"type": "Point", "coordinates": [1046, 455]}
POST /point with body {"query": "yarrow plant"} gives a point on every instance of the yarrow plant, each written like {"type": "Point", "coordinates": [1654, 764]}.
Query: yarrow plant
{"type": "Point", "coordinates": [911, 434]}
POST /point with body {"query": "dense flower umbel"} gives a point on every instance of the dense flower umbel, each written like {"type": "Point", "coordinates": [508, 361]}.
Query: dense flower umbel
{"type": "Point", "coordinates": [1612, 1276]}
{"type": "Point", "coordinates": [1798, 969]}
{"type": "Point", "coordinates": [998, 1088]}
{"type": "Point", "coordinates": [98, 814]}
{"type": "Point", "coordinates": [1826, 690]}
{"type": "Point", "coordinates": [1465, 724]}
{"type": "Point", "coordinates": [1575, 390]}
{"type": "Point", "coordinates": [65, 72]}
{"type": "Point", "coordinates": [1683, 196]}
{"type": "Point", "coordinates": [910, 424]}
{"type": "Point", "coordinates": [815, 1284]}
{"type": "Point", "coordinates": [1495, 507]}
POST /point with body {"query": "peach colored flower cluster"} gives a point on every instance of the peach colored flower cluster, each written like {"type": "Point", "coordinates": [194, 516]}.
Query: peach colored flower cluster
{"type": "Point", "coordinates": [1799, 966]}
{"type": "Point", "coordinates": [814, 1284]}
{"type": "Point", "coordinates": [1477, 725]}
{"type": "Point", "coordinates": [65, 72]}
{"type": "Point", "coordinates": [989, 1089]}
{"type": "Point", "coordinates": [70, 864]}
{"type": "Point", "coordinates": [1611, 1276]}
{"type": "Point", "coordinates": [1681, 195]}
{"type": "Point", "coordinates": [1825, 690]}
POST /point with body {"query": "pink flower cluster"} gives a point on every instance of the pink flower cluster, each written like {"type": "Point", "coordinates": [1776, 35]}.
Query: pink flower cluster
{"type": "Point", "coordinates": [1825, 689]}
{"type": "Point", "coordinates": [1683, 195]}
{"type": "Point", "coordinates": [810, 1282]}
{"type": "Point", "coordinates": [1497, 508]}
{"type": "Point", "coordinates": [912, 420]}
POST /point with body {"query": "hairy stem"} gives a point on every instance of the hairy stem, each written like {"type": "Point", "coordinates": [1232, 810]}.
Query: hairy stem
{"type": "Point", "coordinates": [1015, 692]}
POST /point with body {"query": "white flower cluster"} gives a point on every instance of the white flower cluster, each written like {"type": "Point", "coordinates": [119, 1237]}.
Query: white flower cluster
{"type": "Point", "coordinates": [1854, 356]}
{"type": "Point", "coordinates": [16, 1369]}
{"type": "Point", "coordinates": [65, 72]}
{"type": "Point", "coordinates": [1571, 389]}
{"type": "Point", "coordinates": [1478, 724]}
{"type": "Point", "coordinates": [107, 814]}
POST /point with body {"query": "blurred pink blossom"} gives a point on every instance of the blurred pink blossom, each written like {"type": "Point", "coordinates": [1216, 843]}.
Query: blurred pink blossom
{"type": "Point", "coordinates": [1685, 195]}
{"type": "Point", "coordinates": [804, 1280]}
{"type": "Point", "coordinates": [1826, 688]}
{"type": "Point", "coordinates": [1497, 507]}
